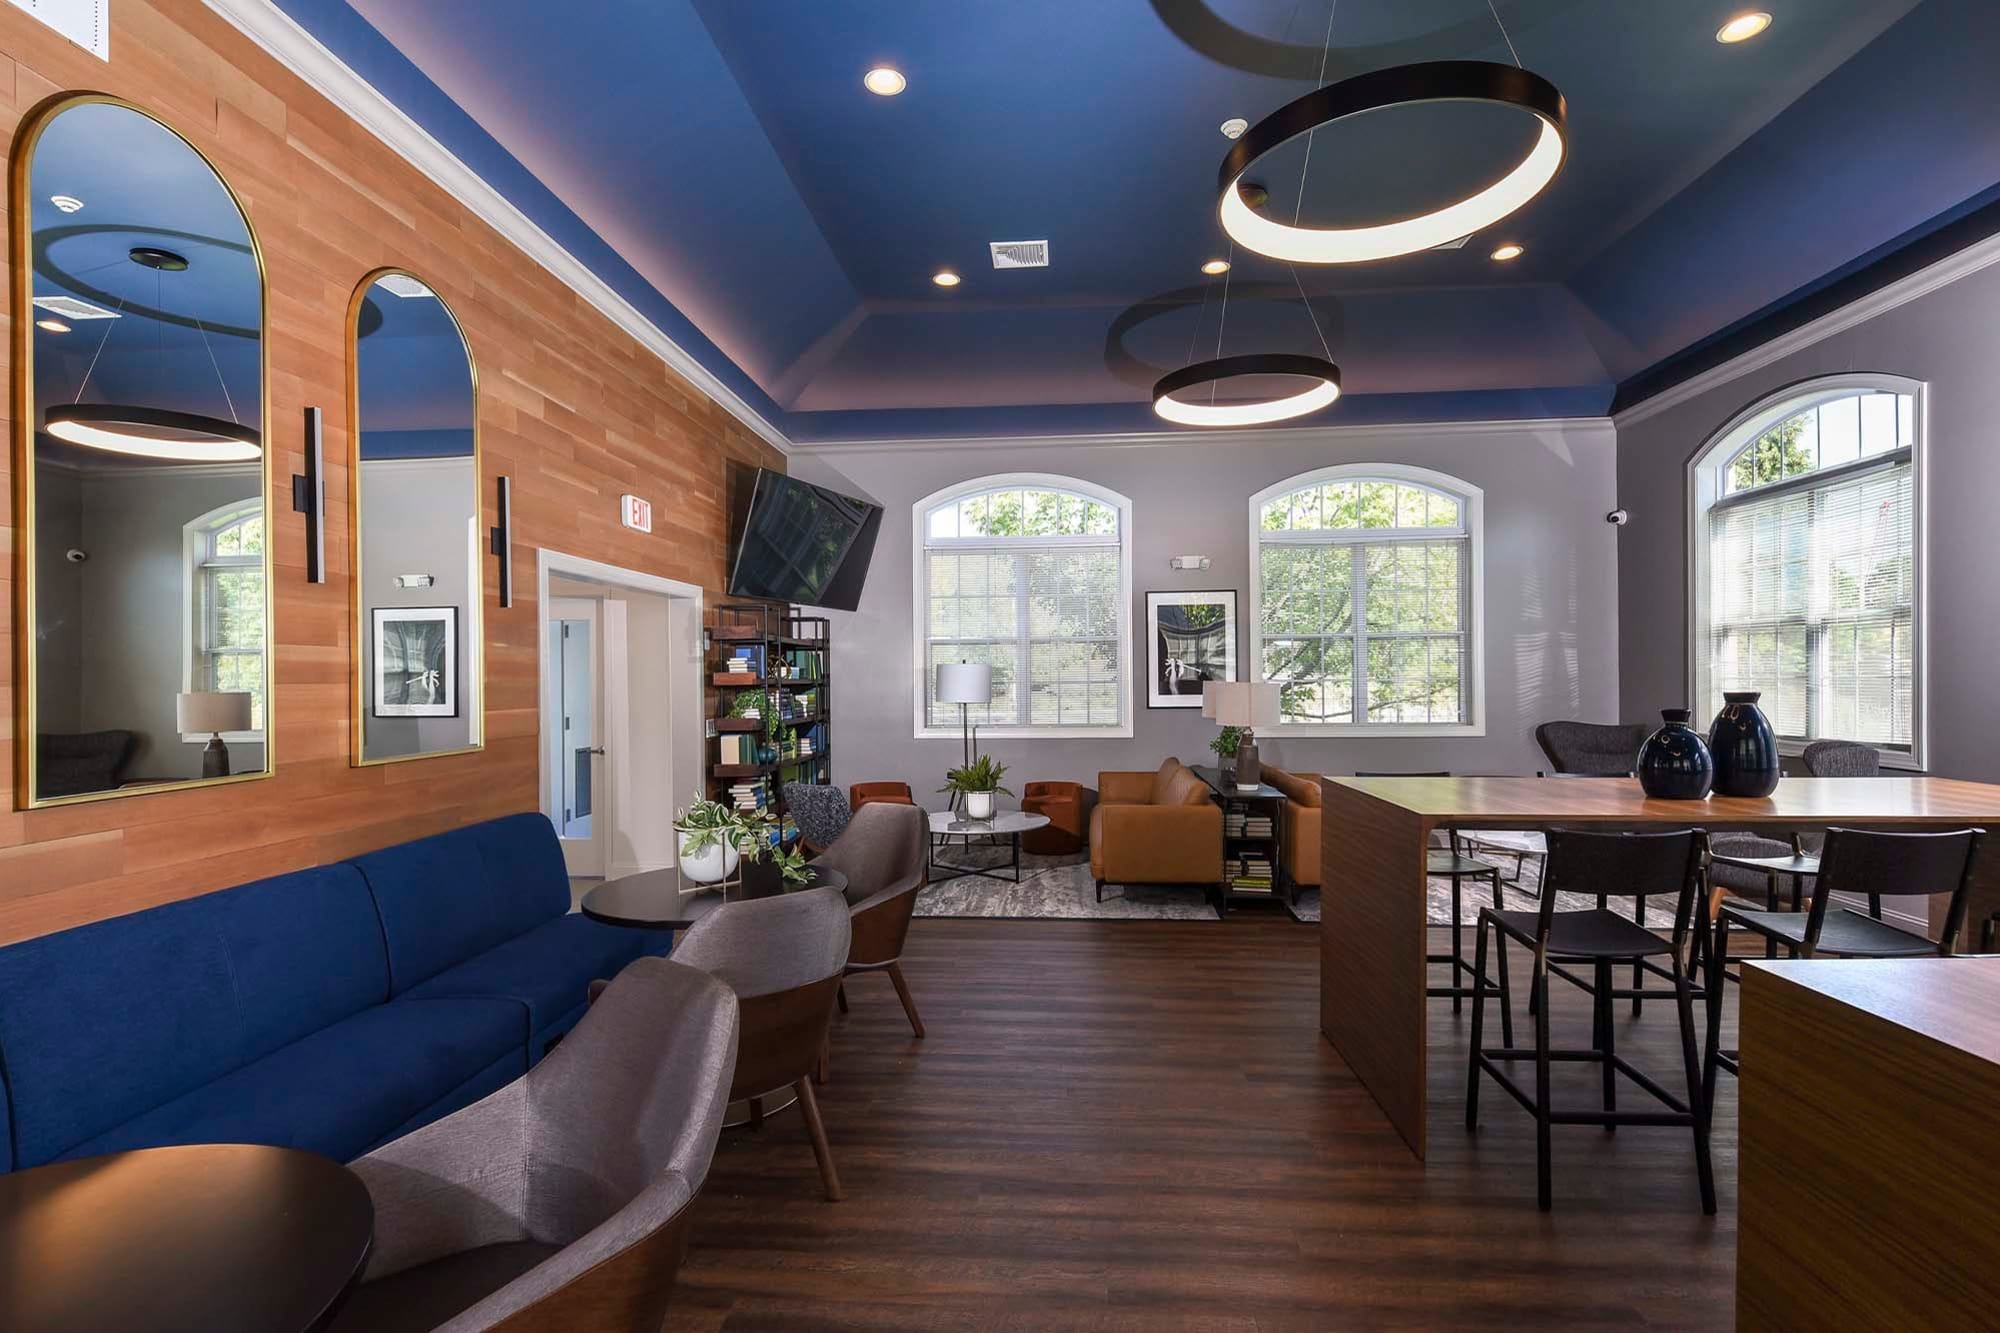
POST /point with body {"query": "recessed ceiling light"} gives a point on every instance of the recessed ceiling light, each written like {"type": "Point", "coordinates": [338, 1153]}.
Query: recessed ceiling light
{"type": "Point", "coordinates": [944, 277]}
{"type": "Point", "coordinates": [68, 203]}
{"type": "Point", "coordinates": [1215, 266]}
{"type": "Point", "coordinates": [1233, 127]}
{"type": "Point", "coordinates": [884, 81]}
{"type": "Point", "coordinates": [52, 325]}
{"type": "Point", "coordinates": [1743, 27]}
{"type": "Point", "coordinates": [1507, 252]}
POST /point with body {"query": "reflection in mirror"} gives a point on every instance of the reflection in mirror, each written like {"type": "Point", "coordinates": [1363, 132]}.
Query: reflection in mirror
{"type": "Point", "coordinates": [147, 570]}
{"type": "Point", "coordinates": [416, 519]}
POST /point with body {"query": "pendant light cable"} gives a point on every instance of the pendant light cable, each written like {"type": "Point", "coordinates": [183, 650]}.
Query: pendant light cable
{"type": "Point", "coordinates": [91, 369]}
{"type": "Point", "coordinates": [1326, 49]}
{"type": "Point", "coordinates": [1222, 319]}
{"type": "Point", "coordinates": [1503, 35]}
{"type": "Point", "coordinates": [1306, 301]}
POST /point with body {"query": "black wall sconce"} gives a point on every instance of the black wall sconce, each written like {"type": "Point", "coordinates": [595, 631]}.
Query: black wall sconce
{"type": "Point", "coordinates": [503, 541]}
{"type": "Point", "coordinates": [309, 498]}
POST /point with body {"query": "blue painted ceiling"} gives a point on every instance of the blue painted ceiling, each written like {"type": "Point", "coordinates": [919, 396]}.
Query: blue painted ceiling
{"type": "Point", "coordinates": [718, 162]}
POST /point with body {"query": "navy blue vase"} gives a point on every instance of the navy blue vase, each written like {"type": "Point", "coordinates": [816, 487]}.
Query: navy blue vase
{"type": "Point", "coordinates": [1674, 763]}
{"type": "Point", "coordinates": [1745, 748]}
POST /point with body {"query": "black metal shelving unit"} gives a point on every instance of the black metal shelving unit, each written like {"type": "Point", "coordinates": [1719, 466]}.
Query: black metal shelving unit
{"type": "Point", "coordinates": [794, 657]}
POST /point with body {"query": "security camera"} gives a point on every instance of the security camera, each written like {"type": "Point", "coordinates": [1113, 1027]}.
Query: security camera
{"type": "Point", "coordinates": [76, 555]}
{"type": "Point", "coordinates": [1618, 518]}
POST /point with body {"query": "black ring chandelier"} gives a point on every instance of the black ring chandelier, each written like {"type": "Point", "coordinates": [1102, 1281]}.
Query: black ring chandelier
{"type": "Point", "coordinates": [1404, 85]}
{"type": "Point", "coordinates": [1325, 387]}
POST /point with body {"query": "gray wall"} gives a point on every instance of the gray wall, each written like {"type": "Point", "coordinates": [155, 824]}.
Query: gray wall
{"type": "Point", "coordinates": [1949, 338]}
{"type": "Point", "coordinates": [416, 519]}
{"type": "Point", "coordinates": [1551, 588]}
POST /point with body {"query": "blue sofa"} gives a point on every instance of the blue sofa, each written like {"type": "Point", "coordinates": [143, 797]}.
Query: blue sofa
{"type": "Point", "coordinates": [334, 1008]}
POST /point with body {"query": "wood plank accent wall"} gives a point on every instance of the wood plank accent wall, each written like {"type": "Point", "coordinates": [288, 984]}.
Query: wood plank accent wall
{"type": "Point", "coordinates": [570, 406]}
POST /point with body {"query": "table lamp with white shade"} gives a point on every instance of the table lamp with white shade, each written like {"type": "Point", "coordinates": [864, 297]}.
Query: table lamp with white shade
{"type": "Point", "coordinates": [214, 712]}
{"type": "Point", "coordinates": [965, 684]}
{"type": "Point", "coordinates": [1246, 705]}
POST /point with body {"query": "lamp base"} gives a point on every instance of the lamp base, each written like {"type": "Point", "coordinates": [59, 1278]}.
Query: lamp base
{"type": "Point", "coordinates": [215, 758]}
{"type": "Point", "coordinates": [1248, 772]}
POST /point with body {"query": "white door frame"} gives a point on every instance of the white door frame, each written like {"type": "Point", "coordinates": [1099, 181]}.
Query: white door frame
{"type": "Point", "coordinates": [689, 730]}
{"type": "Point", "coordinates": [582, 856]}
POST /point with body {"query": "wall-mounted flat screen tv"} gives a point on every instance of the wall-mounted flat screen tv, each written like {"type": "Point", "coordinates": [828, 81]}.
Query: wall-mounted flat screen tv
{"type": "Point", "coordinates": [803, 543]}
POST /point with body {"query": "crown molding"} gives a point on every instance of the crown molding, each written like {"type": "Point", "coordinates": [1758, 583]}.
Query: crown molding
{"type": "Point", "coordinates": [1961, 264]}
{"type": "Point", "coordinates": [301, 53]}
{"type": "Point", "coordinates": [1574, 427]}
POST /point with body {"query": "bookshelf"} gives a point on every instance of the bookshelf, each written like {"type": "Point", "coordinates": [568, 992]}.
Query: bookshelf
{"type": "Point", "coordinates": [1252, 850]}
{"type": "Point", "coordinates": [769, 717]}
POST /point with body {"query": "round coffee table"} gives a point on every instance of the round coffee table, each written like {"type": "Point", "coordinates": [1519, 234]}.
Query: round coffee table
{"type": "Point", "coordinates": [949, 824]}
{"type": "Point", "coordinates": [651, 900]}
{"type": "Point", "coordinates": [212, 1236]}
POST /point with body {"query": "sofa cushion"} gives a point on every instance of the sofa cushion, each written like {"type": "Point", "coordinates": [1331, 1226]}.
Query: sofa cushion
{"type": "Point", "coordinates": [104, 1022]}
{"type": "Point", "coordinates": [548, 969]}
{"type": "Point", "coordinates": [1163, 782]}
{"type": "Point", "coordinates": [450, 897]}
{"type": "Point", "coordinates": [1186, 789]}
{"type": "Point", "coordinates": [342, 1089]}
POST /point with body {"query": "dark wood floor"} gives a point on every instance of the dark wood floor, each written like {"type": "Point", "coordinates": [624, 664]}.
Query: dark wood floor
{"type": "Point", "coordinates": [1136, 1126]}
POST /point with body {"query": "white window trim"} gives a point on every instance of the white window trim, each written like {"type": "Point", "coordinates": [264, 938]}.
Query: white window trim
{"type": "Point", "coordinates": [920, 598]}
{"type": "Point", "coordinates": [1704, 488]}
{"type": "Point", "coordinates": [195, 537]}
{"type": "Point", "coordinates": [1472, 509]}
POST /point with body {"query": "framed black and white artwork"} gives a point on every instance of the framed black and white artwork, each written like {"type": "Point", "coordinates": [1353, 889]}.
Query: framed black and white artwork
{"type": "Point", "coordinates": [416, 661]}
{"type": "Point", "coordinates": [1191, 638]}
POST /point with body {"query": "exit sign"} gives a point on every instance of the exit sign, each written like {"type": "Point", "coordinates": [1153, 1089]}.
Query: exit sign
{"type": "Point", "coordinates": [635, 513]}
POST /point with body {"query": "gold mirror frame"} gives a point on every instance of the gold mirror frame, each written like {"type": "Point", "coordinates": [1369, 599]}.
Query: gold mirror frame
{"type": "Point", "coordinates": [476, 707]}
{"type": "Point", "coordinates": [25, 681]}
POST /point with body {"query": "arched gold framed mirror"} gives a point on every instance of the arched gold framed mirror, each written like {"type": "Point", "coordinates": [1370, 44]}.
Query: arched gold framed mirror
{"type": "Point", "coordinates": [413, 417]}
{"type": "Point", "coordinates": [141, 476]}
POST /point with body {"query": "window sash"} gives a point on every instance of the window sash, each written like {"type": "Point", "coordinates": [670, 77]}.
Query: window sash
{"type": "Point", "coordinates": [1362, 687]}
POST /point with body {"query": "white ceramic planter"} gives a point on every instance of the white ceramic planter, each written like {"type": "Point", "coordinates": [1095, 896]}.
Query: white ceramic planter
{"type": "Point", "coordinates": [711, 864]}
{"type": "Point", "coordinates": [979, 805]}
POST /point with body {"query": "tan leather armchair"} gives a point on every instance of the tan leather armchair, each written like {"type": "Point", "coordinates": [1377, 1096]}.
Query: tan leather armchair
{"type": "Point", "coordinates": [1298, 829]}
{"type": "Point", "coordinates": [1155, 828]}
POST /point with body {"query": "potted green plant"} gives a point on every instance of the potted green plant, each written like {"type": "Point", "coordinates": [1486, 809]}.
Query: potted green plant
{"type": "Point", "coordinates": [977, 782]}
{"type": "Point", "coordinates": [714, 838]}
{"type": "Point", "coordinates": [1226, 742]}
{"type": "Point", "coordinates": [793, 868]}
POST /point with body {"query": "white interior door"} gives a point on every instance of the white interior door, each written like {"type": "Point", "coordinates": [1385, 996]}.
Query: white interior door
{"type": "Point", "coordinates": [574, 727]}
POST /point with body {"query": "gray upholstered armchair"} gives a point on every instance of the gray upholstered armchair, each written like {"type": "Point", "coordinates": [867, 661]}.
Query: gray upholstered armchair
{"type": "Point", "coordinates": [882, 855]}
{"type": "Point", "coordinates": [1593, 749]}
{"type": "Point", "coordinates": [821, 813]}
{"type": "Point", "coordinates": [562, 1200]}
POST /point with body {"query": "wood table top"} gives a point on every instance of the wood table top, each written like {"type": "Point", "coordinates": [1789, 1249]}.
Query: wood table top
{"type": "Point", "coordinates": [1802, 802]}
{"type": "Point", "coordinates": [1954, 1001]}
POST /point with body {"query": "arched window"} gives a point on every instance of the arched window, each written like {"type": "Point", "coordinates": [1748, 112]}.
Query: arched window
{"type": "Point", "coordinates": [1365, 600]}
{"type": "Point", "coordinates": [1031, 575]}
{"type": "Point", "coordinates": [224, 596]}
{"type": "Point", "coordinates": [1806, 578]}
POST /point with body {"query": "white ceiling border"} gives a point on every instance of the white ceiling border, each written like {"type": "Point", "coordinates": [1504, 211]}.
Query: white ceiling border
{"type": "Point", "coordinates": [301, 53]}
{"type": "Point", "coordinates": [1574, 427]}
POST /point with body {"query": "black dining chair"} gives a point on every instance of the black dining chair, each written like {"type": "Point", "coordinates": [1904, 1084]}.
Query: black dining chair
{"type": "Point", "coordinates": [1451, 862]}
{"type": "Point", "coordinates": [1603, 865]}
{"type": "Point", "coordinates": [1743, 863]}
{"type": "Point", "coordinates": [1853, 864]}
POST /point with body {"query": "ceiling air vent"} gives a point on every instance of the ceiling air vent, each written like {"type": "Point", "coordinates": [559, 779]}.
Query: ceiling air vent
{"type": "Point", "coordinates": [1020, 254]}
{"type": "Point", "coordinates": [71, 308]}
{"type": "Point", "coordinates": [403, 285]}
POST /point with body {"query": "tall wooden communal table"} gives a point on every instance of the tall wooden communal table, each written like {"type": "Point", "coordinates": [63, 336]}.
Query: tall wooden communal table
{"type": "Point", "coordinates": [1372, 902]}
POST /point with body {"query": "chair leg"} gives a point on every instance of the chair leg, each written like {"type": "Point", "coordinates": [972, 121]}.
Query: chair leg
{"type": "Point", "coordinates": [829, 1178]}
{"type": "Point", "coordinates": [1100, 890]}
{"type": "Point", "coordinates": [1638, 966]}
{"type": "Point", "coordinates": [1986, 934]}
{"type": "Point", "coordinates": [756, 1113]}
{"type": "Point", "coordinates": [1544, 1189]}
{"type": "Point", "coordinates": [1718, 985]}
{"type": "Point", "coordinates": [1478, 1022]}
{"type": "Point", "coordinates": [895, 971]}
{"type": "Point", "coordinates": [1605, 1040]}
{"type": "Point", "coordinates": [1506, 998]}
{"type": "Point", "coordinates": [840, 995]}
{"type": "Point", "coordinates": [825, 1067]}
{"type": "Point", "coordinates": [1457, 951]}
{"type": "Point", "coordinates": [1697, 1102]}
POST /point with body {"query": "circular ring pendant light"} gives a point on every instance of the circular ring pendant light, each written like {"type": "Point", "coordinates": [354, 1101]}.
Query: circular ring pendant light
{"type": "Point", "coordinates": [1404, 85]}
{"type": "Point", "coordinates": [1325, 387]}
{"type": "Point", "coordinates": [152, 432]}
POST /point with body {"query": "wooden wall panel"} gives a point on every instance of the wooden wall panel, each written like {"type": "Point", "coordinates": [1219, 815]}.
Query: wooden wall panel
{"type": "Point", "coordinates": [572, 408]}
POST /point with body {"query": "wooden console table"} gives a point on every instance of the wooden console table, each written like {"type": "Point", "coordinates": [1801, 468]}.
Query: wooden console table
{"type": "Point", "coordinates": [1373, 839]}
{"type": "Point", "coordinates": [1868, 1185]}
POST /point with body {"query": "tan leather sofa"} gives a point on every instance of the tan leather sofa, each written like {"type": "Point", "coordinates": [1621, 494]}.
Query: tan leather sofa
{"type": "Point", "coordinates": [1298, 827]}
{"type": "Point", "coordinates": [1155, 828]}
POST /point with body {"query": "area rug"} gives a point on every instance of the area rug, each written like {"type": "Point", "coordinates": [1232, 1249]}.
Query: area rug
{"type": "Point", "coordinates": [1060, 888]}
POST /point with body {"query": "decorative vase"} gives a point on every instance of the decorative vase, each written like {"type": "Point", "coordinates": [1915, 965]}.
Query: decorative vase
{"type": "Point", "coordinates": [712, 864]}
{"type": "Point", "coordinates": [1674, 763]}
{"type": "Point", "coordinates": [1744, 746]}
{"type": "Point", "coordinates": [979, 806]}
